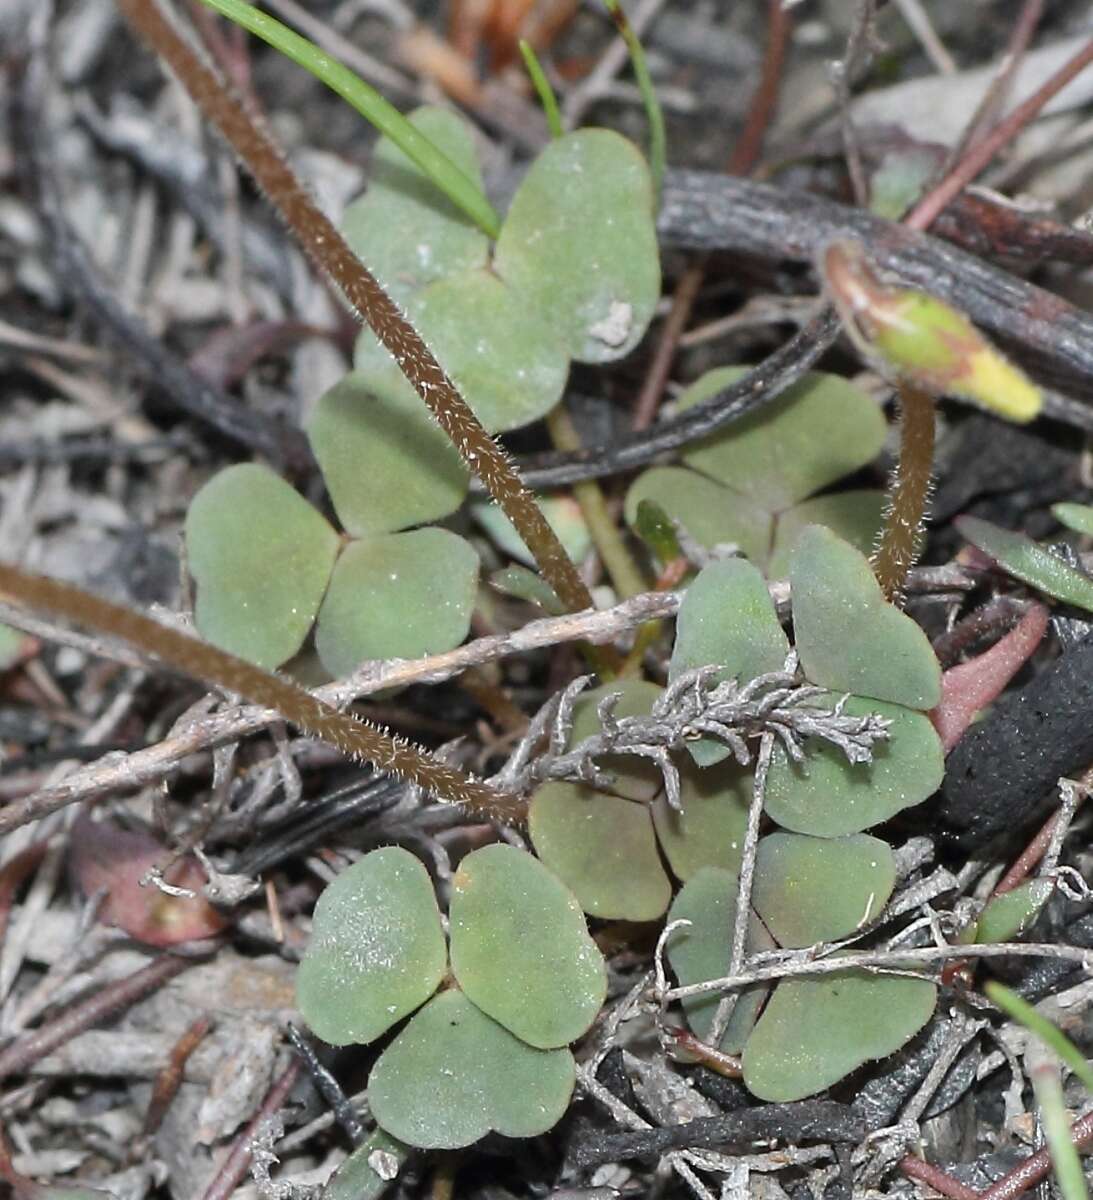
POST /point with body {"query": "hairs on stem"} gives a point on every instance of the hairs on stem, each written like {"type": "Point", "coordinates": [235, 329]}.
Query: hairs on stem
{"type": "Point", "coordinates": [908, 493]}
{"type": "Point", "coordinates": [215, 668]}
{"type": "Point", "coordinates": [321, 239]}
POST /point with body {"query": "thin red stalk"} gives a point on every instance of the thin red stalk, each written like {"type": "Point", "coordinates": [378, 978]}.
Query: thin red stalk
{"type": "Point", "coordinates": [233, 1169]}
{"type": "Point", "coordinates": [20, 1054]}
{"type": "Point", "coordinates": [683, 299]}
{"type": "Point", "coordinates": [326, 246]}
{"type": "Point", "coordinates": [217, 669]}
{"type": "Point", "coordinates": [908, 492]}
{"type": "Point", "coordinates": [981, 154]}
{"type": "Point", "coordinates": [1026, 861]}
{"type": "Point", "coordinates": [169, 1080]}
{"type": "Point", "coordinates": [935, 1178]}
{"type": "Point", "coordinates": [1037, 1166]}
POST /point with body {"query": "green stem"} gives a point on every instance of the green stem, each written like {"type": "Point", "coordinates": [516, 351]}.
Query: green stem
{"type": "Point", "coordinates": [542, 86]}
{"type": "Point", "coordinates": [322, 240]}
{"type": "Point", "coordinates": [461, 190]}
{"type": "Point", "coordinates": [653, 111]}
{"type": "Point", "coordinates": [217, 669]}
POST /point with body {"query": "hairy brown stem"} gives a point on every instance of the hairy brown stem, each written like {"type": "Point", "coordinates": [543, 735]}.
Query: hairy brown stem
{"type": "Point", "coordinates": [321, 239]}
{"type": "Point", "coordinates": [215, 668]}
{"type": "Point", "coordinates": [908, 493]}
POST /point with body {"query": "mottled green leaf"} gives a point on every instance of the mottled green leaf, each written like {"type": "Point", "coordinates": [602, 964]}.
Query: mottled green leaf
{"type": "Point", "coordinates": [580, 245]}
{"type": "Point", "coordinates": [709, 832]}
{"type": "Point", "coordinates": [1025, 560]}
{"type": "Point", "coordinates": [814, 1032]}
{"type": "Point", "coordinates": [377, 949]}
{"type": "Point", "coordinates": [829, 797]}
{"type": "Point", "coordinates": [453, 1075]}
{"type": "Point", "coordinates": [602, 848]}
{"type": "Point", "coordinates": [702, 952]}
{"type": "Point", "coordinates": [711, 514]}
{"type": "Point", "coordinates": [727, 619]}
{"type": "Point", "coordinates": [397, 595]}
{"type": "Point", "coordinates": [1078, 517]}
{"type": "Point", "coordinates": [1008, 915]}
{"type": "Point", "coordinates": [856, 517]}
{"type": "Point", "coordinates": [822, 428]}
{"type": "Point", "coordinates": [261, 557]}
{"type": "Point", "coordinates": [404, 229]}
{"type": "Point", "coordinates": [521, 949]}
{"type": "Point", "coordinates": [386, 462]}
{"type": "Point", "coordinates": [848, 637]}
{"type": "Point", "coordinates": [356, 1178]}
{"type": "Point", "coordinates": [810, 889]}
{"type": "Point", "coordinates": [634, 777]}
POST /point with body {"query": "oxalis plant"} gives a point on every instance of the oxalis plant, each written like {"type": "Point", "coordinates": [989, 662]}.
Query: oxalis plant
{"type": "Point", "coordinates": [733, 803]}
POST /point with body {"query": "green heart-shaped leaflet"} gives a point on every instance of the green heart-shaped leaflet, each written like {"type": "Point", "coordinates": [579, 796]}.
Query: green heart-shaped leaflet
{"type": "Point", "coordinates": [1025, 560]}
{"type": "Point", "coordinates": [712, 515]}
{"type": "Point", "coordinates": [848, 637]}
{"type": "Point", "coordinates": [508, 365]}
{"type": "Point", "coordinates": [453, 1075]}
{"type": "Point", "coordinates": [579, 243]}
{"type": "Point", "coordinates": [398, 595]}
{"type": "Point", "coordinates": [709, 831]}
{"type": "Point", "coordinates": [822, 428]}
{"type": "Point", "coordinates": [635, 778]}
{"type": "Point", "coordinates": [814, 1032]}
{"type": "Point", "coordinates": [602, 848]}
{"type": "Point", "coordinates": [261, 557]}
{"type": "Point", "coordinates": [830, 797]}
{"type": "Point", "coordinates": [727, 619]}
{"type": "Point", "coordinates": [376, 951]}
{"type": "Point", "coordinates": [855, 516]}
{"type": "Point", "coordinates": [702, 951]}
{"type": "Point", "coordinates": [386, 462]}
{"type": "Point", "coordinates": [1008, 915]}
{"type": "Point", "coordinates": [520, 947]}
{"type": "Point", "coordinates": [404, 229]}
{"type": "Point", "coordinates": [810, 889]}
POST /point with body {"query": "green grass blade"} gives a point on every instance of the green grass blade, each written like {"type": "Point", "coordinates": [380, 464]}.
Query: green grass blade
{"type": "Point", "coordinates": [1055, 1121]}
{"type": "Point", "coordinates": [653, 111]}
{"type": "Point", "coordinates": [462, 191]}
{"type": "Point", "coordinates": [1023, 1012]}
{"type": "Point", "coordinates": [542, 86]}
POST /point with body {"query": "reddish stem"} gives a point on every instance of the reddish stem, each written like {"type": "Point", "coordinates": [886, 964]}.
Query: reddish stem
{"type": "Point", "coordinates": [1037, 1166]}
{"type": "Point", "coordinates": [765, 99]}
{"type": "Point", "coordinates": [934, 1177]}
{"type": "Point", "coordinates": [169, 1080]}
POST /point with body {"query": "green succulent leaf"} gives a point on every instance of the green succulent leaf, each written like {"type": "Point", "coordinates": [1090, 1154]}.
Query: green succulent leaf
{"type": "Point", "coordinates": [261, 557]}
{"type": "Point", "coordinates": [702, 952]}
{"type": "Point", "coordinates": [711, 514]}
{"type": "Point", "coordinates": [356, 1178]}
{"type": "Point", "coordinates": [1008, 915]}
{"type": "Point", "coordinates": [634, 778]}
{"type": "Point", "coordinates": [397, 595]}
{"type": "Point", "coordinates": [831, 797]}
{"type": "Point", "coordinates": [563, 515]}
{"type": "Point", "coordinates": [727, 618]}
{"type": "Point", "coordinates": [822, 428]}
{"type": "Point", "coordinates": [602, 848]}
{"type": "Point", "coordinates": [1025, 560]}
{"type": "Point", "coordinates": [579, 243]}
{"type": "Point", "coordinates": [848, 637]}
{"type": "Point", "coordinates": [810, 889]}
{"type": "Point", "coordinates": [11, 646]}
{"type": "Point", "coordinates": [453, 1075]}
{"type": "Point", "coordinates": [1078, 517]}
{"type": "Point", "coordinates": [654, 526]}
{"type": "Point", "coordinates": [507, 364]}
{"type": "Point", "coordinates": [855, 516]}
{"type": "Point", "coordinates": [814, 1032]}
{"type": "Point", "coordinates": [386, 462]}
{"type": "Point", "coordinates": [377, 949]}
{"type": "Point", "coordinates": [709, 832]}
{"type": "Point", "coordinates": [404, 229]}
{"type": "Point", "coordinates": [525, 584]}
{"type": "Point", "coordinates": [521, 949]}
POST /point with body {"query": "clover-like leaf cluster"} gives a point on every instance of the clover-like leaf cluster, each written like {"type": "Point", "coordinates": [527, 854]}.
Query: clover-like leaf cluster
{"type": "Point", "coordinates": [574, 275]}
{"type": "Point", "coordinates": [489, 1052]}
{"type": "Point", "coordinates": [754, 484]}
